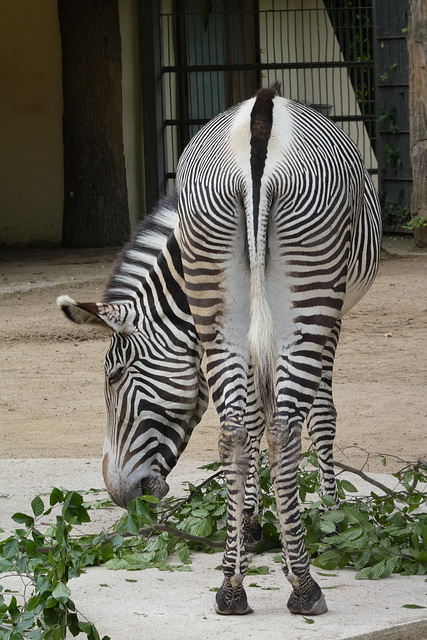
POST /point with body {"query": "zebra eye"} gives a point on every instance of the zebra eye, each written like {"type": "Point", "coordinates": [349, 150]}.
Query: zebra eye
{"type": "Point", "coordinates": [115, 375]}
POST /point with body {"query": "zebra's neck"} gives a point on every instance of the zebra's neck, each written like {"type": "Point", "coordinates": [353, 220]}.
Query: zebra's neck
{"type": "Point", "coordinates": [148, 275]}
{"type": "Point", "coordinates": [140, 256]}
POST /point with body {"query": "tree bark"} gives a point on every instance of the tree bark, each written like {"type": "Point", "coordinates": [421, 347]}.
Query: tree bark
{"type": "Point", "coordinates": [96, 210]}
{"type": "Point", "coordinates": [417, 45]}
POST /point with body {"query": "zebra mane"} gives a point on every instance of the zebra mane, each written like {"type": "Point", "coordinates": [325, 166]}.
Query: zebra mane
{"type": "Point", "coordinates": [141, 252]}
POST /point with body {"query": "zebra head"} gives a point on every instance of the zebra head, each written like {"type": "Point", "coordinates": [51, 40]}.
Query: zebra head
{"type": "Point", "coordinates": [155, 389]}
{"type": "Point", "coordinates": [155, 394]}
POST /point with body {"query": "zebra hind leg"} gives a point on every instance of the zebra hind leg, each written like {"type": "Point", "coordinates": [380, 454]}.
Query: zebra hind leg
{"type": "Point", "coordinates": [253, 506]}
{"type": "Point", "coordinates": [235, 454]}
{"type": "Point", "coordinates": [284, 440]}
{"type": "Point", "coordinates": [252, 530]}
{"type": "Point", "coordinates": [321, 420]}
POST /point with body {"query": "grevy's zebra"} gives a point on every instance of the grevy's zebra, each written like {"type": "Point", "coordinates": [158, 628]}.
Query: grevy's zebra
{"type": "Point", "coordinates": [279, 237]}
{"type": "Point", "coordinates": [155, 389]}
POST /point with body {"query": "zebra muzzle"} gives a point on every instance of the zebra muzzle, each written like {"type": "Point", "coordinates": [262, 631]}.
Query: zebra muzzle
{"type": "Point", "coordinates": [156, 485]}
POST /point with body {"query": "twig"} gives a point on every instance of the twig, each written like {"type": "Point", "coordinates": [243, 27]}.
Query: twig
{"type": "Point", "coordinates": [363, 475]}
{"type": "Point", "coordinates": [168, 514]}
{"type": "Point", "coordinates": [212, 544]}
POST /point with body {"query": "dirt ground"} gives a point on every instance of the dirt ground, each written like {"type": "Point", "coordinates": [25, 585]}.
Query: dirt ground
{"type": "Point", "coordinates": [51, 375]}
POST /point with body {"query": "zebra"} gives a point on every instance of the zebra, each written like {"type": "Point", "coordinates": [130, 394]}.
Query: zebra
{"type": "Point", "coordinates": [155, 388]}
{"type": "Point", "coordinates": [155, 339]}
{"type": "Point", "coordinates": [279, 235]}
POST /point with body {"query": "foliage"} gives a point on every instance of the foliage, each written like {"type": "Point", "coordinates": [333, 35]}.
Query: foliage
{"type": "Point", "coordinates": [377, 535]}
{"type": "Point", "coordinates": [385, 75]}
{"type": "Point", "coordinates": [394, 213]}
{"type": "Point", "coordinates": [416, 223]}
{"type": "Point", "coordinates": [388, 119]}
{"type": "Point", "coordinates": [393, 155]}
{"type": "Point", "coordinates": [46, 561]}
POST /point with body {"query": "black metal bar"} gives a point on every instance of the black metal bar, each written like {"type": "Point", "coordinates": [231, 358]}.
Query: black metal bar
{"type": "Point", "coordinates": [151, 84]}
{"type": "Point", "coordinates": [396, 37]}
{"type": "Point", "coordinates": [265, 66]}
{"type": "Point", "coordinates": [202, 121]}
{"type": "Point", "coordinates": [395, 180]}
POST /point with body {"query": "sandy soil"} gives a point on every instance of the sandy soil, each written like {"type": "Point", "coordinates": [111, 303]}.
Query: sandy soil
{"type": "Point", "coordinates": [51, 376]}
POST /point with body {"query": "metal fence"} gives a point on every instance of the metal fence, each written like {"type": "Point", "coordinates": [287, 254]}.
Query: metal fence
{"type": "Point", "coordinates": [395, 174]}
{"type": "Point", "coordinates": [218, 52]}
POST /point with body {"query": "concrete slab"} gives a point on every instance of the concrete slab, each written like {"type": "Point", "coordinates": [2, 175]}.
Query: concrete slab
{"type": "Point", "coordinates": [160, 605]}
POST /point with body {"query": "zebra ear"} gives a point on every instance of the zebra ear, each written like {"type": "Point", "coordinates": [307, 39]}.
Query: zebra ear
{"type": "Point", "coordinates": [116, 317]}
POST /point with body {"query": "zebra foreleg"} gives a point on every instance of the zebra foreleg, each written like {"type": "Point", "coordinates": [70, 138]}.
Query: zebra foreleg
{"type": "Point", "coordinates": [284, 440]}
{"type": "Point", "coordinates": [235, 454]}
{"type": "Point", "coordinates": [253, 504]}
{"type": "Point", "coordinates": [321, 420]}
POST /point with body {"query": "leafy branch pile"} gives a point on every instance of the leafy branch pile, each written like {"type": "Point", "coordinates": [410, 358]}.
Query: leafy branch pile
{"type": "Point", "coordinates": [377, 535]}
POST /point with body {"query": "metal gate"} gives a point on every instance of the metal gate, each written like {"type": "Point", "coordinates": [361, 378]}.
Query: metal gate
{"type": "Point", "coordinates": [395, 176]}
{"type": "Point", "coordinates": [210, 54]}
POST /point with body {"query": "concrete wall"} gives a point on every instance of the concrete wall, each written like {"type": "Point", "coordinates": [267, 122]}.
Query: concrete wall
{"type": "Point", "coordinates": [31, 176]}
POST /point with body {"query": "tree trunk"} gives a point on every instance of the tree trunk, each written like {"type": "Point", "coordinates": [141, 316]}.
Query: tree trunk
{"type": "Point", "coordinates": [95, 194]}
{"type": "Point", "coordinates": [417, 45]}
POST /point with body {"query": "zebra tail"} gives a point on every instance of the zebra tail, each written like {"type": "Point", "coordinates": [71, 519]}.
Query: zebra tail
{"type": "Point", "coordinates": [261, 340]}
{"type": "Point", "coordinates": [261, 335]}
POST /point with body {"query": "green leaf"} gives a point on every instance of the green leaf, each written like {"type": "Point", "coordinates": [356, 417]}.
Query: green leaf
{"type": "Point", "coordinates": [203, 528]}
{"type": "Point", "coordinates": [5, 565]}
{"type": "Point", "coordinates": [11, 548]}
{"type": "Point", "coordinates": [327, 527]}
{"type": "Point", "coordinates": [259, 571]}
{"type": "Point", "coordinates": [184, 554]}
{"type": "Point", "coordinates": [412, 606]}
{"type": "Point", "coordinates": [348, 486]}
{"type": "Point", "coordinates": [37, 506]}
{"type": "Point", "coordinates": [61, 593]}
{"type": "Point", "coordinates": [328, 501]}
{"type": "Point", "coordinates": [33, 602]}
{"type": "Point", "coordinates": [329, 559]}
{"type": "Point", "coordinates": [56, 496]}
{"type": "Point", "coordinates": [362, 560]}
{"type": "Point", "coordinates": [333, 515]}
{"type": "Point", "coordinates": [116, 564]}
{"type": "Point", "coordinates": [308, 620]}
{"type": "Point", "coordinates": [22, 518]}
{"type": "Point", "coordinates": [354, 515]}
{"type": "Point", "coordinates": [378, 570]}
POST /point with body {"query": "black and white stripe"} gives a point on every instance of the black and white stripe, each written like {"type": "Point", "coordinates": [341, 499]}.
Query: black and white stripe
{"type": "Point", "coordinates": [279, 236]}
{"type": "Point", "coordinates": [155, 389]}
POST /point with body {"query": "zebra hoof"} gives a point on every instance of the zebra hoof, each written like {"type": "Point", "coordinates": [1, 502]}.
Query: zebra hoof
{"type": "Point", "coordinates": [232, 601]}
{"type": "Point", "coordinates": [313, 605]}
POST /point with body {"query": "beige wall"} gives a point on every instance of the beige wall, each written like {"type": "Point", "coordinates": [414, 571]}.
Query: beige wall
{"type": "Point", "coordinates": [31, 152]}
{"type": "Point", "coordinates": [31, 176]}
